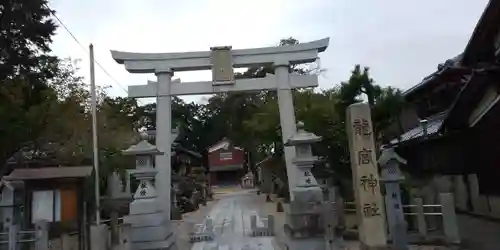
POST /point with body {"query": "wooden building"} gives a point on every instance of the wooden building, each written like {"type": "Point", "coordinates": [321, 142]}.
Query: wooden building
{"type": "Point", "coordinates": [475, 114]}
{"type": "Point", "coordinates": [184, 159]}
{"type": "Point", "coordinates": [53, 194]}
{"type": "Point", "coordinates": [456, 115]}
{"type": "Point", "coordinates": [226, 163]}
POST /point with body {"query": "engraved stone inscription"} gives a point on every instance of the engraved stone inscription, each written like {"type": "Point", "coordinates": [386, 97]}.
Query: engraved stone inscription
{"type": "Point", "coordinates": [361, 127]}
{"type": "Point", "coordinates": [369, 183]}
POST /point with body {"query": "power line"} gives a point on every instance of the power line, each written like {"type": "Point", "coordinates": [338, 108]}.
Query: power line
{"type": "Point", "coordinates": [85, 49]}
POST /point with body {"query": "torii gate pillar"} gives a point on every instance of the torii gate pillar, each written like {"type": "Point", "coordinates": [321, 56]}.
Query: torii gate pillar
{"type": "Point", "coordinates": [287, 120]}
{"type": "Point", "coordinates": [164, 139]}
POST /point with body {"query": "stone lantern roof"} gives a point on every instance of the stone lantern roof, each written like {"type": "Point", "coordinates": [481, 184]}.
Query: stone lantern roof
{"type": "Point", "coordinates": [142, 148]}
{"type": "Point", "coordinates": [151, 134]}
{"type": "Point", "coordinates": [302, 137]}
{"type": "Point", "coordinates": [389, 154]}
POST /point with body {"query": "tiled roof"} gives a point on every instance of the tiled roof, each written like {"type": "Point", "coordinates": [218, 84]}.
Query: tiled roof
{"type": "Point", "coordinates": [264, 161]}
{"type": "Point", "coordinates": [224, 143]}
{"type": "Point", "coordinates": [441, 68]}
{"type": "Point", "coordinates": [178, 147]}
{"type": "Point", "coordinates": [152, 134]}
{"type": "Point", "coordinates": [433, 125]}
{"type": "Point", "coordinates": [49, 173]}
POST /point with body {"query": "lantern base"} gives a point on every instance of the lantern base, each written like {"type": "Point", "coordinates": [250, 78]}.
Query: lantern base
{"type": "Point", "coordinates": [308, 194]}
{"type": "Point", "coordinates": [316, 243]}
{"type": "Point", "coordinates": [150, 228]}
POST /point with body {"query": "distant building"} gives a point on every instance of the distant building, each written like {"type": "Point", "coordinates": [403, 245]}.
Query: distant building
{"type": "Point", "coordinates": [226, 163]}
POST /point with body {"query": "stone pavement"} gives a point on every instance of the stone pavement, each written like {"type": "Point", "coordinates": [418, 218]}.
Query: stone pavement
{"type": "Point", "coordinates": [479, 233]}
{"type": "Point", "coordinates": [279, 218]}
{"type": "Point", "coordinates": [219, 190]}
{"type": "Point", "coordinates": [230, 212]}
{"type": "Point", "coordinates": [182, 227]}
{"type": "Point", "coordinates": [231, 219]}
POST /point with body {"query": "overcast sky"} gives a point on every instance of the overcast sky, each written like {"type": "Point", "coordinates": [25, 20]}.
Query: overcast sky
{"type": "Point", "coordinates": [401, 41]}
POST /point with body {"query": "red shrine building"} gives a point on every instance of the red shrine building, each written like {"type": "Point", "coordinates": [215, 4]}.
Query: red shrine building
{"type": "Point", "coordinates": [226, 163]}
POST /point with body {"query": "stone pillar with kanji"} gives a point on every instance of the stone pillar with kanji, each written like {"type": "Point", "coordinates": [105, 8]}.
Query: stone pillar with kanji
{"type": "Point", "coordinates": [369, 200]}
{"type": "Point", "coordinates": [150, 227]}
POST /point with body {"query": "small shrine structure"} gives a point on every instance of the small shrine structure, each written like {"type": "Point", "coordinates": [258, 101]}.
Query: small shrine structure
{"type": "Point", "coordinates": [248, 180]}
{"type": "Point", "coordinates": [226, 162]}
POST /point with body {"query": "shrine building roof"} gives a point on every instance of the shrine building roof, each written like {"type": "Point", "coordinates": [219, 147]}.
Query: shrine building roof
{"type": "Point", "coordinates": [481, 54]}
{"type": "Point", "coordinates": [22, 174]}
{"type": "Point", "coordinates": [433, 125]}
{"type": "Point", "coordinates": [483, 45]}
{"type": "Point", "coordinates": [225, 143]}
{"type": "Point", "coordinates": [445, 71]}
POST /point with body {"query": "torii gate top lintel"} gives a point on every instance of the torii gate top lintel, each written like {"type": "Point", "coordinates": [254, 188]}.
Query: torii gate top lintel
{"type": "Point", "coordinates": [201, 60]}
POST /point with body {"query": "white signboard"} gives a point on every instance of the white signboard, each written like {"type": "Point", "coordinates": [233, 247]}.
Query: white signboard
{"type": "Point", "coordinates": [226, 156]}
{"type": "Point", "coordinates": [45, 205]}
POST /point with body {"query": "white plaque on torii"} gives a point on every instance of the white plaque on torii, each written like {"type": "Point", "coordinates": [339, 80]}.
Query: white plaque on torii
{"type": "Point", "coordinates": [221, 60]}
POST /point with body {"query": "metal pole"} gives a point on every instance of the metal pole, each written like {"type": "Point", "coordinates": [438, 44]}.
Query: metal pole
{"type": "Point", "coordinates": [94, 136]}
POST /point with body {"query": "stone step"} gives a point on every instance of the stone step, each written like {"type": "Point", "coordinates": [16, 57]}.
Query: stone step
{"type": "Point", "coordinates": [143, 220]}
{"type": "Point", "coordinates": [261, 226]}
{"type": "Point", "coordinates": [201, 238]}
{"type": "Point", "coordinates": [166, 243]}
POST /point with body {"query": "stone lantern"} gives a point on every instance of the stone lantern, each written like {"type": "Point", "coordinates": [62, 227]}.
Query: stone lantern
{"type": "Point", "coordinates": [392, 177]}
{"type": "Point", "coordinates": [150, 228]}
{"type": "Point", "coordinates": [306, 189]}
{"type": "Point", "coordinates": [303, 226]}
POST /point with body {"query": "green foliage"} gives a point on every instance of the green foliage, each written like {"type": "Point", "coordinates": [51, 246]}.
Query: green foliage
{"type": "Point", "coordinates": [26, 30]}
{"type": "Point", "coordinates": [26, 68]}
{"type": "Point", "coordinates": [386, 103]}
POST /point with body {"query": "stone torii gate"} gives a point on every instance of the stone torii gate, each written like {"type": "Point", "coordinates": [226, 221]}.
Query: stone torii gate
{"type": "Point", "coordinates": [222, 61]}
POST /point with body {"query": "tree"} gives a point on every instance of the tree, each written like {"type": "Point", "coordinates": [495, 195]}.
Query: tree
{"type": "Point", "coordinates": [26, 69]}
{"type": "Point", "coordinates": [386, 103]}
{"type": "Point", "coordinates": [352, 91]}
{"type": "Point", "coordinates": [26, 31]}
{"type": "Point", "coordinates": [388, 107]}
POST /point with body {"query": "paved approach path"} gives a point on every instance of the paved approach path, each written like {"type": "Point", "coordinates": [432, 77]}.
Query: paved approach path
{"type": "Point", "coordinates": [231, 219]}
